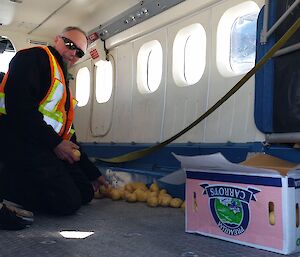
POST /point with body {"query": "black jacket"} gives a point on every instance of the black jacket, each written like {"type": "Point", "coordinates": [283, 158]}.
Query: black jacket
{"type": "Point", "coordinates": [27, 84]}
{"type": "Point", "coordinates": [2, 74]}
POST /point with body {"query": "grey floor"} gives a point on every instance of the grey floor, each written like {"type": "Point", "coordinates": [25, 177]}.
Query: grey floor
{"type": "Point", "coordinates": [120, 229]}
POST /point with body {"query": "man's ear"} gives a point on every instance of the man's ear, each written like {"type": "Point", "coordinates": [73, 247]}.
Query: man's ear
{"type": "Point", "coordinates": [56, 39]}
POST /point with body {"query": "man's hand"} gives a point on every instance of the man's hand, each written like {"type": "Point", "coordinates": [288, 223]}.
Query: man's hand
{"type": "Point", "coordinates": [98, 182]}
{"type": "Point", "coordinates": [64, 151]}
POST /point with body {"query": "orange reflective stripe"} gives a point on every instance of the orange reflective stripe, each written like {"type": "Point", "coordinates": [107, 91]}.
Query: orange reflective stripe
{"type": "Point", "coordinates": [70, 118]}
{"type": "Point", "coordinates": [2, 84]}
{"type": "Point", "coordinates": [2, 95]}
{"type": "Point", "coordinates": [52, 71]}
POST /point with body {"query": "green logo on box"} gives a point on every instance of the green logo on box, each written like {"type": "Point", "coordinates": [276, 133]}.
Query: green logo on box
{"type": "Point", "coordinates": [229, 211]}
{"type": "Point", "coordinates": [229, 206]}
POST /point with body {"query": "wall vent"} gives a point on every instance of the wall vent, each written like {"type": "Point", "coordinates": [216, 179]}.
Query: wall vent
{"type": "Point", "coordinates": [36, 42]}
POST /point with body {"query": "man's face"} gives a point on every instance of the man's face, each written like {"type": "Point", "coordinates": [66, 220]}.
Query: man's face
{"type": "Point", "coordinates": [71, 45]}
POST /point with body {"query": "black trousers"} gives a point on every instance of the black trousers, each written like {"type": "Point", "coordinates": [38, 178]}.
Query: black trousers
{"type": "Point", "coordinates": [1, 166]}
{"type": "Point", "coordinates": [35, 178]}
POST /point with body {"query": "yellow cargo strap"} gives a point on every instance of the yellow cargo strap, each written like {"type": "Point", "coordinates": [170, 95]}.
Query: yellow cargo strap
{"type": "Point", "coordinates": [141, 153]}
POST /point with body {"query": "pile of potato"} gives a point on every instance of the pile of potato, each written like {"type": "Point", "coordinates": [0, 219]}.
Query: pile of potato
{"type": "Point", "coordinates": [139, 192]}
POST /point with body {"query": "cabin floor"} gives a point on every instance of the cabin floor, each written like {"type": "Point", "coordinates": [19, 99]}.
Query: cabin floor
{"type": "Point", "coordinates": [120, 229]}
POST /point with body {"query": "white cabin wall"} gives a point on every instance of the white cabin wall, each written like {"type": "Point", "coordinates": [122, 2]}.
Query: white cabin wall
{"type": "Point", "coordinates": [111, 121]}
{"type": "Point", "coordinates": [100, 112]}
{"type": "Point", "coordinates": [186, 104]}
{"type": "Point", "coordinates": [122, 116]}
{"type": "Point", "coordinates": [148, 109]}
{"type": "Point", "coordinates": [160, 115]}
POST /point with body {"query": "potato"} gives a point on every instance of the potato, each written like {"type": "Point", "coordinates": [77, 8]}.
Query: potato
{"type": "Point", "coordinates": [154, 187]}
{"type": "Point", "coordinates": [139, 185]}
{"type": "Point", "coordinates": [183, 205]}
{"type": "Point", "coordinates": [132, 186]}
{"type": "Point", "coordinates": [115, 194]}
{"type": "Point", "coordinates": [131, 197]}
{"type": "Point", "coordinates": [152, 201]}
{"type": "Point", "coordinates": [76, 154]}
{"type": "Point", "coordinates": [163, 191]}
{"type": "Point", "coordinates": [122, 193]}
{"type": "Point", "coordinates": [176, 202]}
{"type": "Point", "coordinates": [126, 193]}
{"type": "Point", "coordinates": [272, 218]}
{"type": "Point", "coordinates": [128, 187]}
{"type": "Point", "coordinates": [98, 195]}
{"type": "Point", "coordinates": [103, 192]}
{"type": "Point", "coordinates": [141, 195]}
{"type": "Point", "coordinates": [152, 194]}
{"type": "Point", "coordinates": [102, 189]}
{"type": "Point", "coordinates": [164, 200]}
{"type": "Point", "coordinates": [106, 191]}
{"type": "Point", "coordinates": [160, 196]}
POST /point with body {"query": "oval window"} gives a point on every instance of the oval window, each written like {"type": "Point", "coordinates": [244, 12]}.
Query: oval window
{"type": "Point", "coordinates": [83, 86]}
{"type": "Point", "coordinates": [189, 55]}
{"type": "Point", "coordinates": [7, 52]}
{"type": "Point", "coordinates": [236, 39]}
{"type": "Point", "coordinates": [149, 67]}
{"type": "Point", "coordinates": [104, 81]}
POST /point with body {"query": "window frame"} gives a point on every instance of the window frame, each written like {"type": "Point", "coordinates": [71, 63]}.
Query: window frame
{"type": "Point", "coordinates": [143, 63]}
{"type": "Point", "coordinates": [179, 63]}
{"type": "Point", "coordinates": [224, 35]}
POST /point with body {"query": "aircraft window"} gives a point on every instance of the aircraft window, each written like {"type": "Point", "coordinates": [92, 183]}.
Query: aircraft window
{"type": "Point", "coordinates": [104, 81]}
{"type": "Point", "coordinates": [236, 39]}
{"type": "Point", "coordinates": [7, 52]}
{"type": "Point", "coordinates": [189, 55]}
{"type": "Point", "coordinates": [149, 67]}
{"type": "Point", "coordinates": [243, 43]}
{"type": "Point", "coordinates": [83, 86]}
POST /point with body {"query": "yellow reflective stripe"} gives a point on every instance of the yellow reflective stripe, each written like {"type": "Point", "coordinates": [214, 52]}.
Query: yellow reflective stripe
{"type": "Point", "coordinates": [72, 131]}
{"type": "Point", "coordinates": [56, 71]}
{"type": "Point", "coordinates": [58, 116]}
{"type": "Point", "coordinates": [54, 97]}
{"type": "Point", "coordinates": [2, 103]}
{"type": "Point", "coordinates": [2, 111]}
{"type": "Point", "coordinates": [75, 102]}
{"type": "Point", "coordinates": [57, 89]}
{"type": "Point", "coordinates": [54, 119]}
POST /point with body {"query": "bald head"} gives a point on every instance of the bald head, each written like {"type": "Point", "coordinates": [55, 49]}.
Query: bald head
{"type": "Point", "coordinates": [71, 44]}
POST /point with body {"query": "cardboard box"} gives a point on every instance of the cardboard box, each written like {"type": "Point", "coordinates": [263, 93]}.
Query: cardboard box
{"type": "Point", "coordinates": [255, 203]}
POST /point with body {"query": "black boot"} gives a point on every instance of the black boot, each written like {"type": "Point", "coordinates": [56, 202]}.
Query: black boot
{"type": "Point", "coordinates": [10, 220]}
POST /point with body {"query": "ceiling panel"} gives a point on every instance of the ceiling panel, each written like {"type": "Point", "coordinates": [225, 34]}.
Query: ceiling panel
{"type": "Point", "coordinates": [48, 18]}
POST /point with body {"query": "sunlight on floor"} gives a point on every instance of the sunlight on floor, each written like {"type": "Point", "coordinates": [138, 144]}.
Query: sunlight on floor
{"type": "Point", "coordinates": [75, 234]}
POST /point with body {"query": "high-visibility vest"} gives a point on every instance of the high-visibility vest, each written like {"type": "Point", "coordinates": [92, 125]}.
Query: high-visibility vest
{"type": "Point", "coordinates": [53, 105]}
